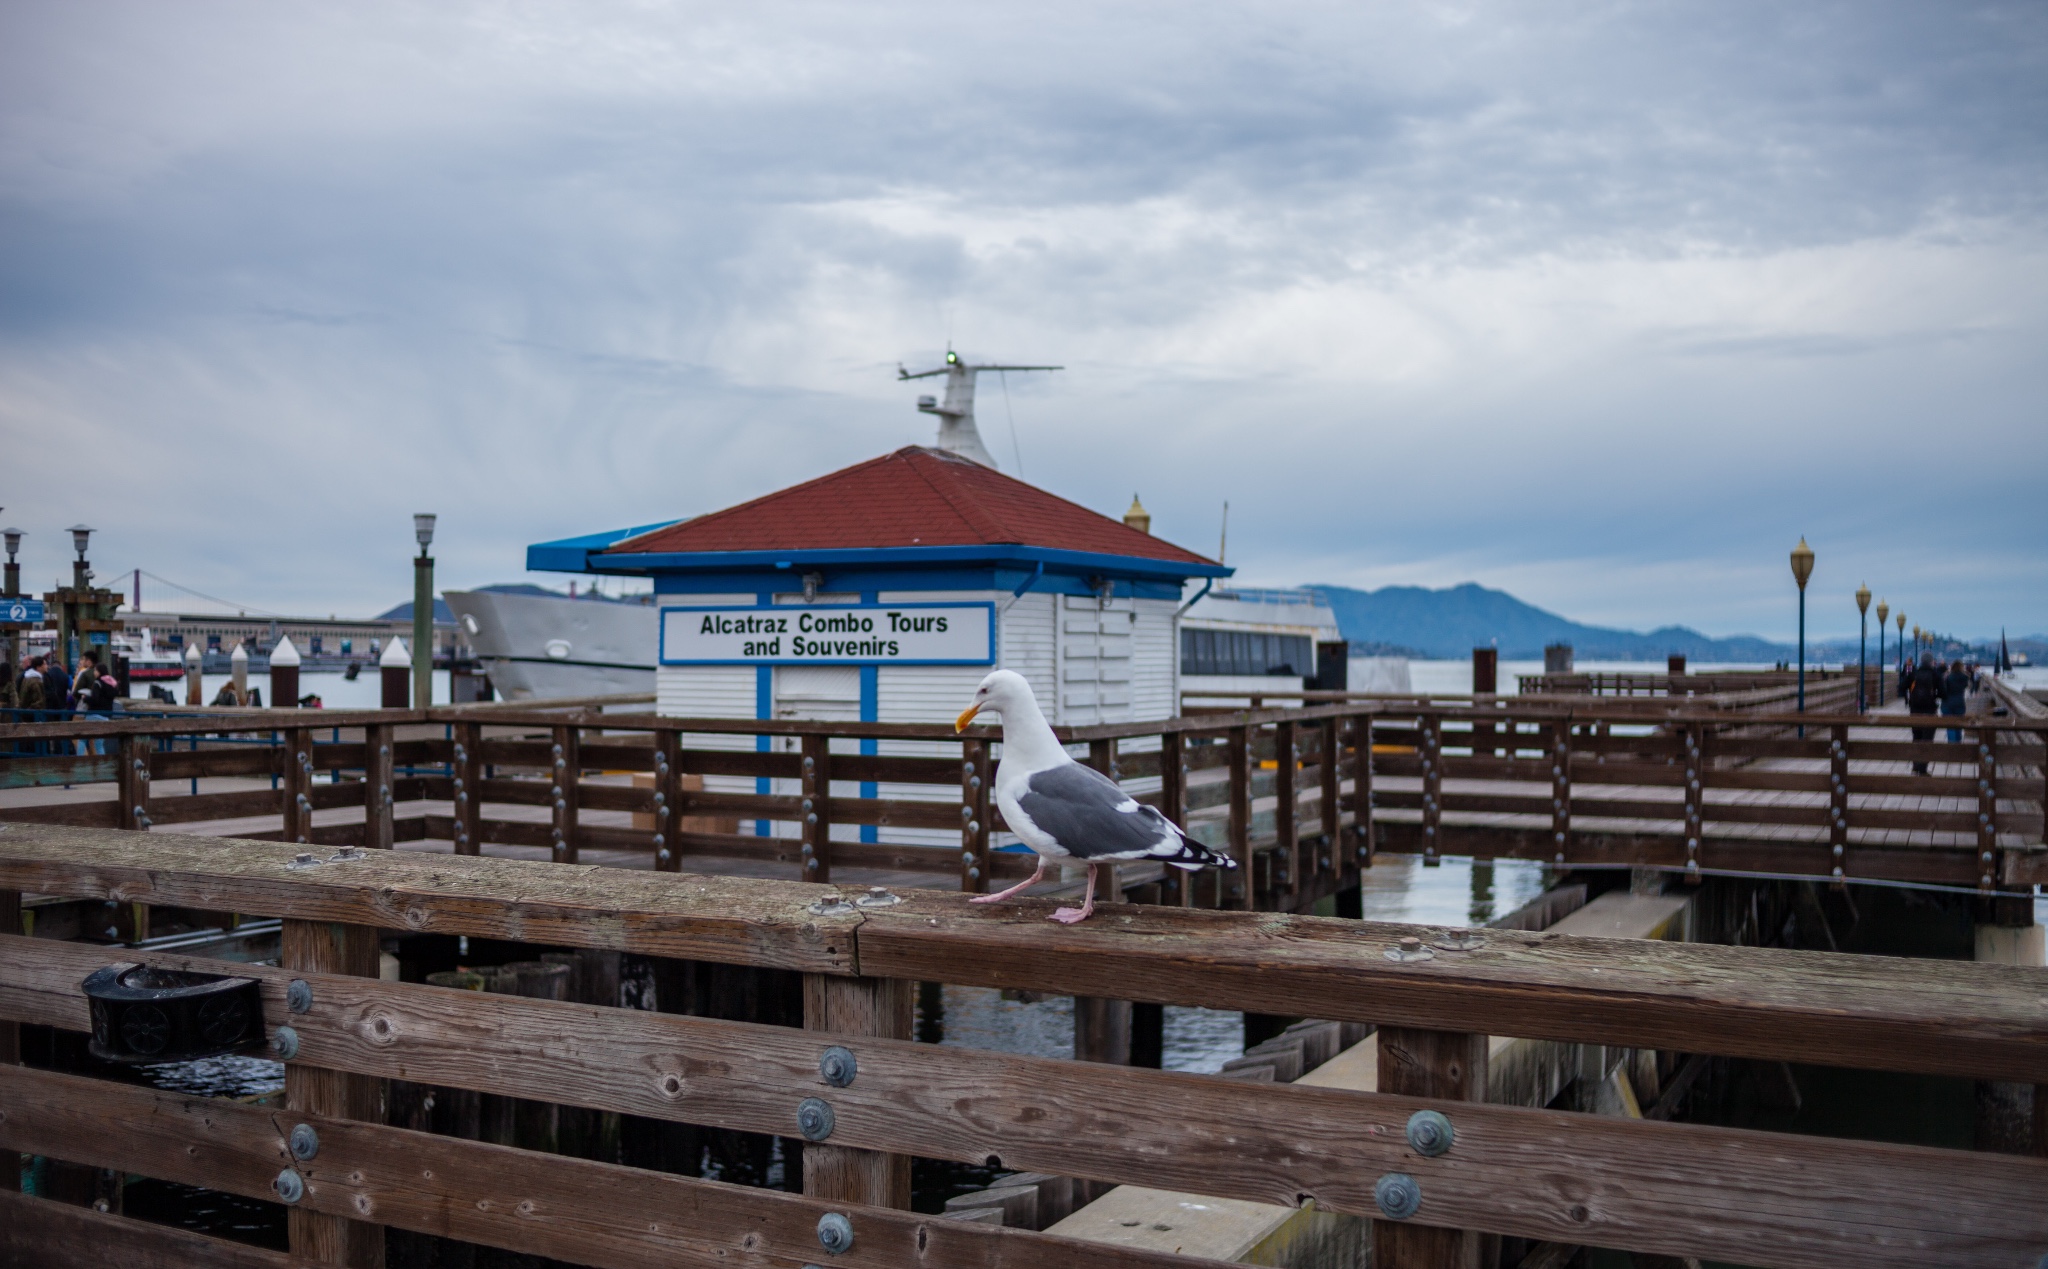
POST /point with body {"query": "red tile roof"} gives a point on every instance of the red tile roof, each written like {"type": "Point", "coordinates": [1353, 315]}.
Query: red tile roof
{"type": "Point", "coordinates": [913, 497]}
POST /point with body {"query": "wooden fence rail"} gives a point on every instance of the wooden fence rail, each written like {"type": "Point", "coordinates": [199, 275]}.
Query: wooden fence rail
{"type": "Point", "coordinates": [1587, 1180]}
{"type": "Point", "coordinates": [1302, 796]}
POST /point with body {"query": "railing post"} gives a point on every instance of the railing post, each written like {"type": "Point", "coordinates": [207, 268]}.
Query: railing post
{"type": "Point", "coordinates": [330, 948]}
{"type": "Point", "coordinates": [1329, 859]}
{"type": "Point", "coordinates": [1838, 802]}
{"type": "Point", "coordinates": [134, 782]}
{"type": "Point", "coordinates": [1361, 791]}
{"type": "Point", "coordinates": [297, 759]}
{"type": "Point", "coordinates": [1432, 728]}
{"type": "Point", "coordinates": [1234, 890]}
{"type": "Point", "coordinates": [850, 1008]}
{"type": "Point", "coordinates": [974, 803]}
{"type": "Point", "coordinates": [468, 794]}
{"type": "Point", "coordinates": [1560, 788]}
{"type": "Point", "coordinates": [379, 798]}
{"type": "Point", "coordinates": [1178, 889]}
{"type": "Point", "coordinates": [568, 770]}
{"type": "Point", "coordinates": [817, 808]}
{"type": "Point", "coordinates": [1448, 1066]}
{"type": "Point", "coordinates": [1987, 815]}
{"type": "Point", "coordinates": [1287, 843]}
{"type": "Point", "coordinates": [668, 800]}
{"type": "Point", "coordinates": [1695, 799]}
{"type": "Point", "coordinates": [10, 1035]}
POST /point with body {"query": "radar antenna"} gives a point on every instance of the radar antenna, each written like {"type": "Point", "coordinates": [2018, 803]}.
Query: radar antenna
{"type": "Point", "coordinates": [957, 433]}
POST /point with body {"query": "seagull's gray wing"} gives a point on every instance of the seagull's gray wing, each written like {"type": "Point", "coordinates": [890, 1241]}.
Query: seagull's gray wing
{"type": "Point", "coordinates": [1091, 817]}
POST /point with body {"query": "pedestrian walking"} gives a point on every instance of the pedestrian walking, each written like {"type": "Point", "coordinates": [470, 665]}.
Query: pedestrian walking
{"type": "Point", "coordinates": [1955, 693]}
{"type": "Point", "coordinates": [1923, 696]}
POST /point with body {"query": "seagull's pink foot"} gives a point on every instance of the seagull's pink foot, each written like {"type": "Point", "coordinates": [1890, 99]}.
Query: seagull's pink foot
{"type": "Point", "coordinates": [990, 898]}
{"type": "Point", "coordinates": [1073, 916]}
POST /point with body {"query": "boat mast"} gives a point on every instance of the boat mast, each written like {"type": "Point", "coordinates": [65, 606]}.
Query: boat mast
{"type": "Point", "coordinates": [957, 433]}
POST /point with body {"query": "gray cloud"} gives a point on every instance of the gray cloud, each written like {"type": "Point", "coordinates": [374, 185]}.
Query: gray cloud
{"type": "Point", "coordinates": [1608, 305]}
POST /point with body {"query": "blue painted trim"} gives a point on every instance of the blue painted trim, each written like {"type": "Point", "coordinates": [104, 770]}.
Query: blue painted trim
{"type": "Point", "coordinates": [1037, 572]}
{"type": "Point", "coordinates": [562, 557]}
{"type": "Point", "coordinates": [571, 555]}
{"type": "Point", "coordinates": [1051, 582]}
{"type": "Point", "coordinates": [870, 711]}
{"type": "Point", "coordinates": [661, 631]}
{"type": "Point", "coordinates": [764, 708]}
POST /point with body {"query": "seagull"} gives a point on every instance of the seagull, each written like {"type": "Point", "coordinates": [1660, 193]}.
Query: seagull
{"type": "Point", "coordinates": [1064, 810]}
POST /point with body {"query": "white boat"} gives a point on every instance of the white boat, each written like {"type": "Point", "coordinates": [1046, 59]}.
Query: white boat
{"type": "Point", "coordinates": [538, 644]}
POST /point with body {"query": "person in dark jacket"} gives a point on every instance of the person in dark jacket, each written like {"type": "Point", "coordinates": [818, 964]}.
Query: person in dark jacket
{"type": "Point", "coordinates": [56, 686]}
{"type": "Point", "coordinates": [1923, 696]}
{"type": "Point", "coordinates": [1955, 693]}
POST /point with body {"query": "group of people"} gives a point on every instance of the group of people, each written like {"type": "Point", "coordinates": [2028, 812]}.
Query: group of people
{"type": "Point", "coordinates": [1932, 687]}
{"type": "Point", "coordinates": [43, 682]}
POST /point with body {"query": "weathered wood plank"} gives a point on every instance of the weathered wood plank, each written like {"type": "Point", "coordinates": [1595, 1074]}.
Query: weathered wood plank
{"type": "Point", "coordinates": [573, 1209]}
{"type": "Point", "coordinates": [50, 1235]}
{"type": "Point", "coordinates": [1939, 1017]}
{"type": "Point", "coordinates": [1859, 1011]}
{"type": "Point", "coordinates": [734, 920]}
{"type": "Point", "coordinates": [1681, 1189]}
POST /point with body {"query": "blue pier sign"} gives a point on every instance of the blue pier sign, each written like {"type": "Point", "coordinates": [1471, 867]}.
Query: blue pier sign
{"type": "Point", "coordinates": [21, 611]}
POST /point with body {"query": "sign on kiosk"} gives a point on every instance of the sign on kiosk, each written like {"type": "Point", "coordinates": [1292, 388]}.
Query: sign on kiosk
{"type": "Point", "coordinates": [830, 634]}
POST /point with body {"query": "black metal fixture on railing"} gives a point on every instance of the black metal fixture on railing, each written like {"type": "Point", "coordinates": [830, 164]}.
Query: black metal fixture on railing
{"type": "Point", "coordinates": [141, 1013]}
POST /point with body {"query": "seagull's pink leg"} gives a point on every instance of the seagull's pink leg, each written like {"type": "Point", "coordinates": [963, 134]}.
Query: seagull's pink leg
{"type": "Point", "coordinates": [1021, 886]}
{"type": "Point", "coordinates": [1074, 916]}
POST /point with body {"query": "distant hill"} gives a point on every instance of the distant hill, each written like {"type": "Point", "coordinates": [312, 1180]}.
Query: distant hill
{"type": "Point", "coordinates": [1450, 623]}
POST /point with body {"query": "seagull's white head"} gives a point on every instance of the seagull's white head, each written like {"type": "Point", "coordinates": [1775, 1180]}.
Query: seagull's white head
{"type": "Point", "coordinates": [1000, 691]}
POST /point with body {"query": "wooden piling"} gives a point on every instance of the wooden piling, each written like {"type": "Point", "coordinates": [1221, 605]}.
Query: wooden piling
{"type": "Point", "coordinates": [567, 771]}
{"type": "Point", "coordinates": [468, 771]}
{"type": "Point", "coordinates": [816, 827]}
{"type": "Point", "coordinates": [852, 1008]}
{"type": "Point", "coordinates": [1235, 889]}
{"type": "Point", "coordinates": [379, 771]}
{"type": "Point", "coordinates": [10, 1033]}
{"type": "Point", "coordinates": [976, 779]}
{"type": "Point", "coordinates": [333, 948]}
{"type": "Point", "coordinates": [1447, 1065]}
{"type": "Point", "coordinates": [1485, 682]}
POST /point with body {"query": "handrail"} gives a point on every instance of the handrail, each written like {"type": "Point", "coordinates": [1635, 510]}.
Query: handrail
{"type": "Point", "coordinates": [1884, 1013]}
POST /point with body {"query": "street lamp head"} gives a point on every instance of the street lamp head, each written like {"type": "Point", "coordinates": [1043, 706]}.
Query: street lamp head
{"type": "Point", "coordinates": [423, 529]}
{"type": "Point", "coordinates": [1902, 621]}
{"type": "Point", "coordinates": [13, 537]}
{"type": "Point", "coordinates": [1863, 600]}
{"type": "Point", "coordinates": [80, 534]}
{"type": "Point", "coordinates": [1884, 611]}
{"type": "Point", "coordinates": [1802, 563]}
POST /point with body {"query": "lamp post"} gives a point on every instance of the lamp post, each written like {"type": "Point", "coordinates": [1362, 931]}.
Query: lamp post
{"type": "Point", "coordinates": [1802, 568]}
{"type": "Point", "coordinates": [1862, 642]}
{"type": "Point", "coordinates": [11, 589]}
{"type": "Point", "coordinates": [1901, 628]}
{"type": "Point", "coordinates": [423, 614]}
{"type": "Point", "coordinates": [1884, 610]}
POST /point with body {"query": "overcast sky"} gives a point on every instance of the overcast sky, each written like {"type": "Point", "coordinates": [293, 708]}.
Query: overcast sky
{"type": "Point", "coordinates": [1605, 304]}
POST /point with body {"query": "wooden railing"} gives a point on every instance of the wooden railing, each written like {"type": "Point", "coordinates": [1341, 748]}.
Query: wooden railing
{"type": "Point", "coordinates": [1664, 1188]}
{"type": "Point", "coordinates": [1590, 783]}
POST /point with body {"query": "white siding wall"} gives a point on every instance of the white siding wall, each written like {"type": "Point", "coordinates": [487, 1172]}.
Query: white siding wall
{"type": "Point", "coordinates": [1155, 660]}
{"type": "Point", "coordinates": [1027, 643]}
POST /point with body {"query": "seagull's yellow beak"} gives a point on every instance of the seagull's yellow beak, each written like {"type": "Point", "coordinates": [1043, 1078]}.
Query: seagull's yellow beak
{"type": "Point", "coordinates": [966, 717]}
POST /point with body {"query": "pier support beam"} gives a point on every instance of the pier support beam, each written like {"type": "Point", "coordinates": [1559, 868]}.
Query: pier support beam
{"type": "Point", "coordinates": [1451, 1066]}
{"type": "Point", "coordinates": [2012, 1118]}
{"type": "Point", "coordinates": [332, 948]}
{"type": "Point", "coordinates": [880, 1007]}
